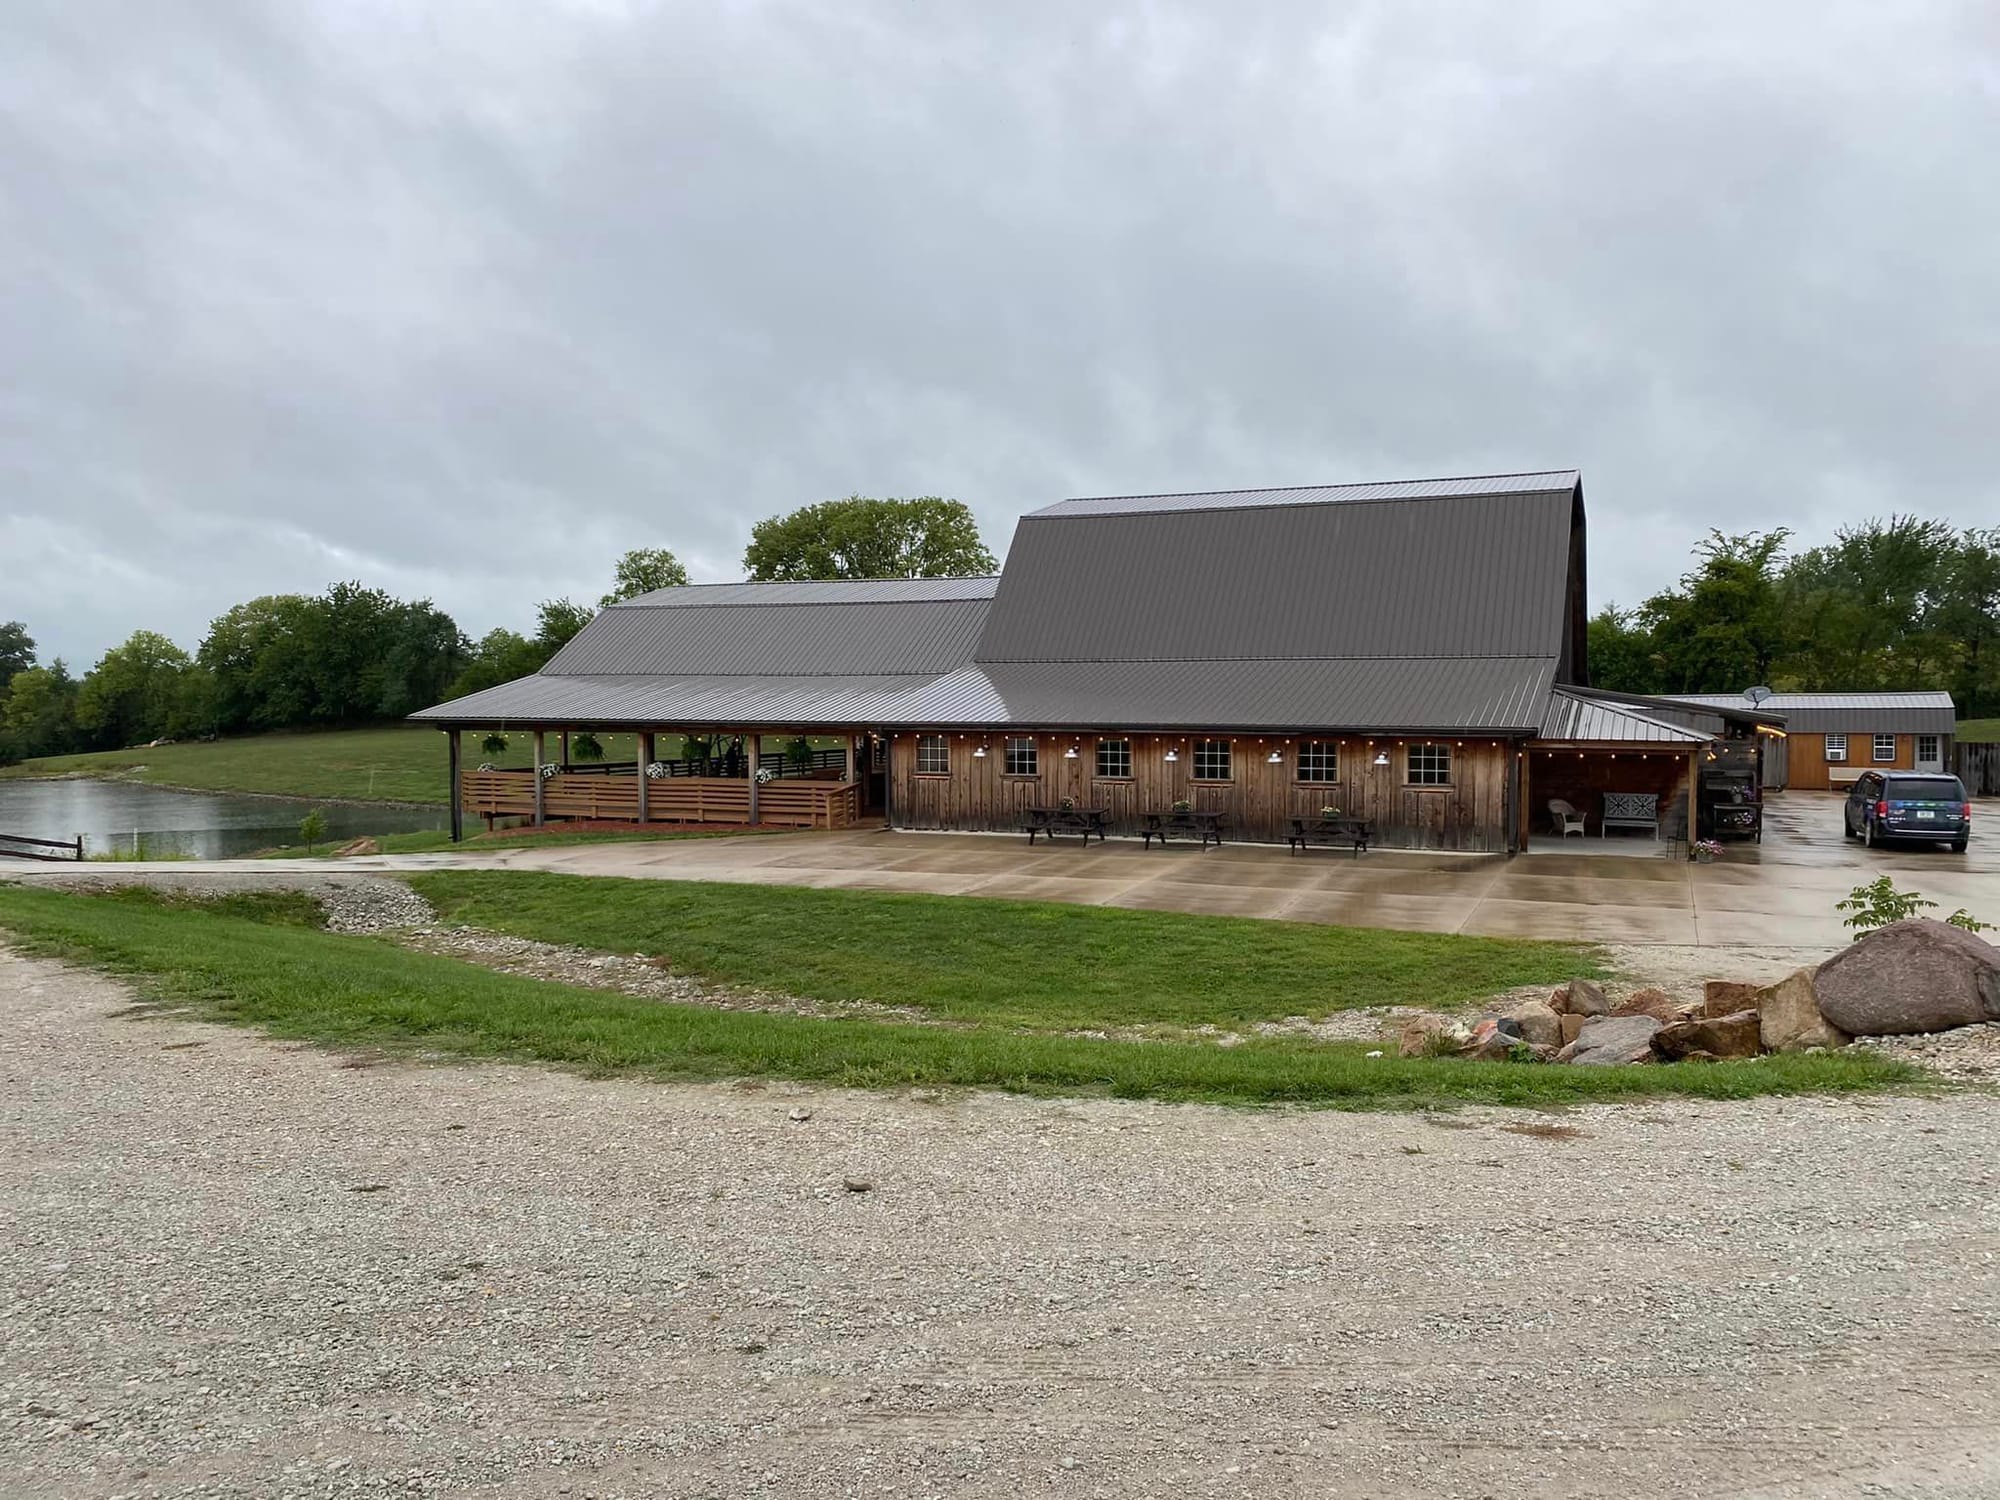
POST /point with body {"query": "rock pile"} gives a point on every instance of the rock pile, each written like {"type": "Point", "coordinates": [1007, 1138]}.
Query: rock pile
{"type": "Point", "coordinates": [1915, 977]}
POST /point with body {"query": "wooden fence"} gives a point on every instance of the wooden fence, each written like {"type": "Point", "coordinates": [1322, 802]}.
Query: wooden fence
{"type": "Point", "coordinates": [790, 802]}
{"type": "Point", "coordinates": [19, 846]}
{"type": "Point", "coordinates": [1978, 766]}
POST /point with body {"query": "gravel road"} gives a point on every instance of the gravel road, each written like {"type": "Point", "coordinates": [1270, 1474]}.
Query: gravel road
{"type": "Point", "coordinates": [235, 1268]}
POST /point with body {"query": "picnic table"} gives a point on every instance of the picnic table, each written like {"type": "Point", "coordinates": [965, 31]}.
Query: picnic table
{"type": "Point", "coordinates": [1055, 820]}
{"type": "Point", "coordinates": [1206, 826]}
{"type": "Point", "coordinates": [1337, 830]}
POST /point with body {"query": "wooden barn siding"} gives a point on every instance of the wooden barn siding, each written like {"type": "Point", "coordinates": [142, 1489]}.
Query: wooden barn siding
{"type": "Point", "coordinates": [1807, 767]}
{"type": "Point", "coordinates": [1261, 799]}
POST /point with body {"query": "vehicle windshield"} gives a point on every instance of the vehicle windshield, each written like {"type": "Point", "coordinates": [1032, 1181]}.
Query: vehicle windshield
{"type": "Point", "coordinates": [1925, 789]}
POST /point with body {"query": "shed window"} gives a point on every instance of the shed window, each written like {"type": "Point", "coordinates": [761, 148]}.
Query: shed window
{"type": "Point", "coordinates": [1836, 747]}
{"type": "Point", "coordinates": [933, 755]}
{"type": "Point", "coordinates": [1885, 747]}
{"type": "Point", "coordinates": [1021, 758]}
{"type": "Point", "coordinates": [1211, 760]}
{"type": "Point", "coordinates": [1319, 760]}
{"type": "Point", "coordinates": [1430, 765]}
{"type": "Point", "coordinates": [1930, 754]}
{"type": "Point", "coordinates": [1114, 760]}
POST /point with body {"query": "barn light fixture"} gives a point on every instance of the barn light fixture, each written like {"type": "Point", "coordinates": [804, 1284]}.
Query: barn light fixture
{"type": "Point", "coordinates": [1381, 757]}
{"type": "Point", "coordinates": [980, 753]}
{"type": "Point", "coordinates": [1171, 755]}
{"type": "Point", "coordinates": [1275, 758]}
{"type": "Point", "coordinates": [1070, 754]}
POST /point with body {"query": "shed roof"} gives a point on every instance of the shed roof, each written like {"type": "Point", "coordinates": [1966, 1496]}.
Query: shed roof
{"type": "Point", "coordinates": [1578, 716]}
{"type": "Point", "coordinates": [1818, 713]}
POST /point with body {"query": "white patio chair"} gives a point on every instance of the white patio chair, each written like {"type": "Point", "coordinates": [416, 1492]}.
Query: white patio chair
{"type": "Point", "coordinates": [1567, 819]}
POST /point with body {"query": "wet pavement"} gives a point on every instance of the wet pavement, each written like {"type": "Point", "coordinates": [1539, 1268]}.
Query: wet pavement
{"type": "Point", "coordinates": [1780, 892]}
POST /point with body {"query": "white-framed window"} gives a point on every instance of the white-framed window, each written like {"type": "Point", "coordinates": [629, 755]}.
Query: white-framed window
{"type": "Point", "coordinates": [1430, 765]}
{"type": "Point", "coordinates": [1836, 747]}
{"type": "Point", "coordinates": [1885, 748]}
{"type": "Point", "coordinates": [1021, 758]}
{"type": "Point", "coordinates": [1114, 760]}
{"type": "Point", "coordinates": [933, 755]}
{"type": "Point", "coordinates": [1211, 760]}
{"type": "Point", "coordinates": [1319, 760]}
{"type": "Point", "coordinates": [1930, 751]}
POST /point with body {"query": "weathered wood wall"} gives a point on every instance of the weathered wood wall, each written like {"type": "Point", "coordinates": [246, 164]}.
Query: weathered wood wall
{"type": "Point", "coordinates": [1808, 769]}
{"type": "Point", "coordinates": [1260, 798]}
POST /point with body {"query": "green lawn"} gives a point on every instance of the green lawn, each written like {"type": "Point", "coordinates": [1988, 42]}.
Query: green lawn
{"type": "Point", "coordinates": [1979, 731]}
{"type": "Point", "coordinates": [260, 968]}
{"type": "Point", "coordinates": [477, 841]}
{"type": "Point", "coordinates": [389, 763]}
{"type": "Point", "coordinates": [1011, 963]}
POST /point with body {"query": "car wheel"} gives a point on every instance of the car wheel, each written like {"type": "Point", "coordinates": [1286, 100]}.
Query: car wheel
{"type": "Point", "coordinates": [1868, 832]}
{"type": "Point", "coordinates": [1958, 846]}
{"type": "Point", "coordinates": [1847, 823]}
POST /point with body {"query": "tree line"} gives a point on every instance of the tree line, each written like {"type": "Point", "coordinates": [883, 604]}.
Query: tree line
{"type": "Point", "coordinates": [355, 655]}
{"type": "Point", "coordinates": [1896, 605]}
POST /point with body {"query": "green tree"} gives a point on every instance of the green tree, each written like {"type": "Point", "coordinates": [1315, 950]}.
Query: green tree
{"type": "Point", "coordinates": [859, 537]}
{"type": "Point", "coordinates": [500, 655]}
{"type": "Point", "coordinates": [130, 696]}
{"type": "Point", "coordinates": [17, 652]}
{"type": "Point", "coordinates": [1868, 605]}
{"type": "Point", "coordinates": [1622, 652]}
{"type": "Point", "coordinates": [1968, 614]}
{"type": "Point", "coordinates": [1726, 626]}
{"type": "Point", "coordinates": [642, 570]}
{"type": "Point", "coordinates": [39, 713]}
{"type": "Point", "coordinates": [312, 828]}
{"type": "Point", "coordinates": [557, 621]}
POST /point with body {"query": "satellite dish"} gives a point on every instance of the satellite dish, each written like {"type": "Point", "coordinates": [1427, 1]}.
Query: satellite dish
{"type": "Point", "coordinates": [1756, 695]}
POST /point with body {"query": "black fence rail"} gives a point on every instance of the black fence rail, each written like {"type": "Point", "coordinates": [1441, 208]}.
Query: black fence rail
{"type": "Point", "coordinates": [20, 846]}
{"type": "Point", "coordinates": [1978, 766]}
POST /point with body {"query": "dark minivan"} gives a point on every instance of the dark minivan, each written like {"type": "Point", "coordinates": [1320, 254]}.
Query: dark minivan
{"type": "Point", "coordinates": [1909, 805]}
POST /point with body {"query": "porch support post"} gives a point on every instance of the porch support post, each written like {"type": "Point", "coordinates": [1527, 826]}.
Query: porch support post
{"type": "Point", "coordinates": [457, 793]}
{"type": "Point", "coordinates": [753, 746]}
{"type": "Point", "coordinates": [645, 760]}
{"type": "Point", "coordinates": [1694, 780]}
{"type": "Point", "coordinates": [539, 819]}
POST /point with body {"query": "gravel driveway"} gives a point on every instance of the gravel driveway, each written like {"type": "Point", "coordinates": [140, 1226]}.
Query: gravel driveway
{"type": "Point", "coordinates": [230, 1267]}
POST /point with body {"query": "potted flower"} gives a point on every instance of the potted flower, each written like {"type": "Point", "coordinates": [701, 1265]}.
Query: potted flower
{"type": "Point", "coordinates": [655, 770]}
{"type": "Point", "coordinates": [1706, 850]}
{"type": "Point", "coordinates": [1182, 806]}
{"type": "Point", "coordinates": [549, 768]}
{"type": "Point", "coordinates": [1329, 812]}
{"type": "Point", "coordinates": [1067, 804]}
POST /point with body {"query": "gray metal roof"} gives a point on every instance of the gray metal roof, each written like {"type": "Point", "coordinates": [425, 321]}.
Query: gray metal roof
{"type": "Point", "coordinates": [831, 591]}
{"type": "Point", "coordinates": [1361, 694]}
{"type": "Point", "coordinates": [1461, 575]}
{"type": "Point", "coordinates": [840, 634]}
{"type": "Point", "coordinates": [726, 702]}
{"type": "Point", "coordinates": [1853, 713]}
{"type": "Point", "coordinates": [1317, 494]}
{"type": "Point", "coordinates": [1572, 715]}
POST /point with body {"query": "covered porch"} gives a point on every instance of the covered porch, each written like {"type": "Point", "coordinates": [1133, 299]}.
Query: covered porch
{"type": "Point", "coordinates": [1610, 778]}
{"type": "Point", "coordinates": [722, 777]}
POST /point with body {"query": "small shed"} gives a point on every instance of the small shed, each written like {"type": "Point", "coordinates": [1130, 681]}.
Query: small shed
{"type": "Point", "coordinates": [1831, 738]}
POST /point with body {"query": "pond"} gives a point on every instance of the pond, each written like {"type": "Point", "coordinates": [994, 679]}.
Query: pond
{"type": "Point", "coordinates": [126, 817]}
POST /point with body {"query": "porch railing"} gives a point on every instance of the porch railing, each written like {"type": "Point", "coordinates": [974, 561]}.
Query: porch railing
{"type": "Point", "coordinates": [792, 802]}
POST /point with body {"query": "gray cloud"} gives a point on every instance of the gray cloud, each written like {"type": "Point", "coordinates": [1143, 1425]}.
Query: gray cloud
{"type": "Point", "coordinates": [464, 299]}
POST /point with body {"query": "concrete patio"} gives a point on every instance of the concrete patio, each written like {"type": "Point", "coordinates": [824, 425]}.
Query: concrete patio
{"type": "Point", "coordinates": [1781, 892]}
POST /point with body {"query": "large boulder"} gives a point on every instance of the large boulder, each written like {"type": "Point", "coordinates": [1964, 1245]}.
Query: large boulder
{"type": "Point", "coordinates": [1725, 997]}
{"type": "Point", "coordinates": [1573, 1027]}
{"type": "Point", "coordinates": [1538, 1023]}
{"type": "Point", "coordinates": [1911, 976]}
{"type": "Point", "coordinates": [1607, 1041]}
{"type": "Point", "coordinates": [1656, 1003]}
{"type": "Point", "coordinates": [1430, 1036]}
{"type": "Point", "coordinates": [1710, 1036]}
{"type": "Point", "coordinates": [1580, 997]}
{"type": "Point", "coordinates": [1788, 1018]}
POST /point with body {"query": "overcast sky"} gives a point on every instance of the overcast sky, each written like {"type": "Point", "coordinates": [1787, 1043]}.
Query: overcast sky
{"type": "Point", "coordinates": [464, 299]}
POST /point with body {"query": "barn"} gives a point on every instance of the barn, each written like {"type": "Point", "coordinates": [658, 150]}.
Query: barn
{"type": "Point", "coordinates": [1409, 653]}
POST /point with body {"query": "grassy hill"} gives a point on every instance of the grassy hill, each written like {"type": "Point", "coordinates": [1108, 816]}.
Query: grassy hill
{"type": "Point", "coordinates": [390, 763]}
{"type": "Point", "coordinates": [1979, 731]}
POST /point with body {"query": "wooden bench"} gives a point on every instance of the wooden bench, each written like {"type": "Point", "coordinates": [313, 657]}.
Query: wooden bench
{"type": "Point", "coordinates": [1054, 820]}
{"type": "Point", "coordinates": [1332, 831]}
{"type": "Point", "coordinates": [1630, 810]}
{"type": "Point", "coordinates": [1206, 826]}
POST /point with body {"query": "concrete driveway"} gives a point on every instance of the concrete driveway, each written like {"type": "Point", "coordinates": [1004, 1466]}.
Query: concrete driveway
{"type": "Point", "coordinates": [1779, 894]}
